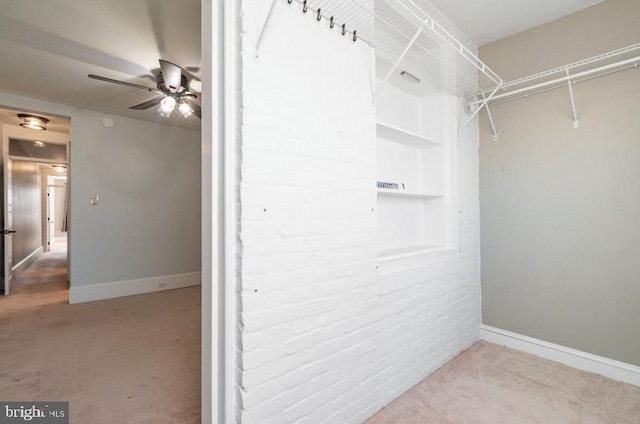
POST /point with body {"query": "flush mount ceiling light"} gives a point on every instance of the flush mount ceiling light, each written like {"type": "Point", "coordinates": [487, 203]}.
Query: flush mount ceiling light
{"type": "Point", "coordinates": [59, 168]}
{"type": "Point", "coordinates": [38, 144]}
{"type": "Point", "coordinates": [33, 122]}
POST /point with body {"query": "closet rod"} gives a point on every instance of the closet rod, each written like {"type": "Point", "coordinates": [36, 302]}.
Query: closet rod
{"type": "Point", "coordinates": [579, 64]}
{"type": "Point", "coordinates": [632, 61]}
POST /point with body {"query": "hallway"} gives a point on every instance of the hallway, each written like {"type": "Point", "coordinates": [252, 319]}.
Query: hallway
{"type": "Point", "coordinates": [43, 283]}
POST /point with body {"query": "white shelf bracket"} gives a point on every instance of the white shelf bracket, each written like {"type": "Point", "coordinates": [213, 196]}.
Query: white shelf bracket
{"type": "Point", "coordinates": [400, 58]}
{"type": "Point", "coordinates": [475, 112]}
{"type": "Point", "coordinates": [576, 122]}
{"type": "Point", "coordinates": [493, 127]}
{"type": "Point", "coordinates": [256, 54]}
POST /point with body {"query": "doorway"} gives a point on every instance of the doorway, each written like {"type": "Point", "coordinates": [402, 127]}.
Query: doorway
{"type": "Point", "coordinates": [34, 191]}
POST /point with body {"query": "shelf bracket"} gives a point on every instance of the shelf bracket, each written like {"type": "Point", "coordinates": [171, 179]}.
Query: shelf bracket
{"type": "Point", "coordinates": [256, 54]}
{"type": "Point", "coordinates": [475, 112]}
{"type": "Point", "coordinates": [576, 123]}
{"type": "Point", "coordinates": [493, 127]}
{"type": "Point", "coordinates": [400, 59]}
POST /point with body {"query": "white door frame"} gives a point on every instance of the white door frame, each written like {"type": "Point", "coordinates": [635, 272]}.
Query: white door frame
{"type": "Point", "coordinates": [220, 79]}
{"type": "Point", "coordinates": [7, 224]}
{"type": "Point", "coordinates": [16, 132]}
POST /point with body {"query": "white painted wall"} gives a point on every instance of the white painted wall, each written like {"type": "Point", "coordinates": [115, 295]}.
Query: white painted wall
{"type": "Point", "coordinates": [324, 336]}
{"type": "Point", "coordinates": [145, 233]}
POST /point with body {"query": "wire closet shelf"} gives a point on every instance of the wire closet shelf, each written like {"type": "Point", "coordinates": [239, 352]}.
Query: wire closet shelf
{"type": "Point", "coordinates": [409, 35]}
{"type": "Point", "coordinates": [562, 76]}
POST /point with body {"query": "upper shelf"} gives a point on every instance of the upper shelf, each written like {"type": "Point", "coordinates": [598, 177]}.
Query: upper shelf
{"type": "Point", "coordinates": [410, 35]}
{"type": "Point", "coordinates": [390, 132]}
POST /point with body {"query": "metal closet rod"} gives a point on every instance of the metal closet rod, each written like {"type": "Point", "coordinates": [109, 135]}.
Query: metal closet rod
{"type": "Point", "coordinates": [536, 88]}
{"type": "Point", "coordinates": [564, 85]}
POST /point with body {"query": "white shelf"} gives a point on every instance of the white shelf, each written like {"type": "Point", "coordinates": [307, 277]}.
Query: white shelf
{"type": "Point", "coordinates": [404, 193]}
{"type": "Point", "coordinates": [398, 135]}
{"type": "Point", "coordinates": [402, 252]}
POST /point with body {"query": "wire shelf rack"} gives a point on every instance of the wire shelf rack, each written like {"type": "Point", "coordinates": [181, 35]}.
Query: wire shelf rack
{"type": "Point", "coordinates": [410, 35]}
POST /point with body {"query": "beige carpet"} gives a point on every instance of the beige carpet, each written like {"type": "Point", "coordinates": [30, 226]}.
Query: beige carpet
{"type": "Point", "coordinates": [495, 385]}
{"type": "Point", "coordinates": [129, 360]}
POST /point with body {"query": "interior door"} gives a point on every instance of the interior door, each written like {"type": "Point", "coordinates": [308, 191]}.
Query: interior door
{"type": "Point", "coordinates": [7, 232]}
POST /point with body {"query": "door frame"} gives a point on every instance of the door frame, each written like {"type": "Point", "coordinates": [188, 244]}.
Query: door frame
{"type": "Point", "coordinates": [47, 190]}
{"type": "Point", "coordinates": [220, 40]}
{"type": "Point", "coordinates": [17, 132]}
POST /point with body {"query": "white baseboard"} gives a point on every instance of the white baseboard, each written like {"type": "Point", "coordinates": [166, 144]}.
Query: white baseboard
{"type": "Point", "coordinates": [24, 264]}
{"type": "Point", "coordinates": [102, 291]}
{"type": "Point", "coordinates": [615, 370]}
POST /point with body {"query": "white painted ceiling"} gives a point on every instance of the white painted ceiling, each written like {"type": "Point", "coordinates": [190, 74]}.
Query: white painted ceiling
{"type": "Point", "coordinates": [485, 21]}
{"type": "Point", "coordinates": [47, 48]}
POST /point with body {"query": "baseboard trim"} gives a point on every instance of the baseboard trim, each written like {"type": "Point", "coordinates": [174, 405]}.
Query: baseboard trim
{"type": "Point", "coordinates": [102, 291]}
{"type": "Point", "coordinates": [21, 266]}
{"type": "Point", "coordinates": [610, 368]}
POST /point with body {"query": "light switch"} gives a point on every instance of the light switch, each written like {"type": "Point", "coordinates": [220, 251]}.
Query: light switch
{"type": "Point", "coordinates": [95, 199]}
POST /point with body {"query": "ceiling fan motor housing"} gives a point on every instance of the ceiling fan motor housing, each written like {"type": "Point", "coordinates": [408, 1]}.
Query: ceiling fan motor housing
{"type": "Point", "coordinates": [184, 84]}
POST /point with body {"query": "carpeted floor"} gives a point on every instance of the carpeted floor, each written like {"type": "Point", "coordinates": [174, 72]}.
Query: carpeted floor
{"type": "Point", "coordinates": [128, 360]}
{"type": "Point", "coordinates": [136, 360]}
{"type": "Point", "coordinates": [495, 385]}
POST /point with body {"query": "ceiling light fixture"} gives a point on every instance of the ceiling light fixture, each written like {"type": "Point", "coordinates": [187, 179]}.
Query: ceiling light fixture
{"type": "Point", "coordinates": [185, 108]}
{"type": "Point", "coordinates": [33, 122]}
{"type": "Point", "coordinates": [59, 168]}
{"type": "Point", "coordinates": [166, 106]}
{"type": "Point", "coordinates": [38, 144]}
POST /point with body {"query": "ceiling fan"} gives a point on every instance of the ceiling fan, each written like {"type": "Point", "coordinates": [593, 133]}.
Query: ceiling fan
{"type": "Point", "coordinates": [173, 87]}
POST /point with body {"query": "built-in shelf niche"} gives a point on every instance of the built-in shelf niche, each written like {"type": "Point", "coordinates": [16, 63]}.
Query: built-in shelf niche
{"type": "Point", "coordinates": [414, 199]}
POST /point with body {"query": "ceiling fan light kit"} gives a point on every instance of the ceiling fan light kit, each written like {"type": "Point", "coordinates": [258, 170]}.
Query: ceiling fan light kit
{"type": "Point", "coordinates": [33, 122]}
{"type": "Point", "coordinates": [185, 108]}
{"type": "Point", "coordinates": [172, 84]}
{"type": "Point", "coordinates": [166, 106]}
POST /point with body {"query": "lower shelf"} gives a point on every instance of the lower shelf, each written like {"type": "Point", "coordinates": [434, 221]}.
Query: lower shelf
{"type": "Point", "coordinates": [407, 251]}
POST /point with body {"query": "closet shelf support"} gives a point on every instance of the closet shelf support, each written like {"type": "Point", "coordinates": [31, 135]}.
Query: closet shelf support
{"type": "Point", "coordinates": [256, 54]}
{"type": "Point", "coordinates": [493, 126]}
{"type": "Point", "coordinates": [576, 123]}
{"type": "Point", "coordinates": [400, 59]}
{"type": "Point", "coordinates": [485, 101]}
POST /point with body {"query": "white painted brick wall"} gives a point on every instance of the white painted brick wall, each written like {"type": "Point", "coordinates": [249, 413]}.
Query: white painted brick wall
{"type": "Point", "coordinates": [323, 337]}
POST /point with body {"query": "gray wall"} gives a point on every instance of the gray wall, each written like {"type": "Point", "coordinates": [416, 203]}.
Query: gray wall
{"type": "Point", "coordinates": [147, 223]}
{"type": "Point", "coordinates": [27, 210]}
{"type": "Point", "coordinates": [560, 207]}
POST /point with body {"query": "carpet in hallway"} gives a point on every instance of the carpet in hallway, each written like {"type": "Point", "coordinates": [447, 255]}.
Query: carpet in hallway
{"type": "Point", "coordinates": [128, 360]}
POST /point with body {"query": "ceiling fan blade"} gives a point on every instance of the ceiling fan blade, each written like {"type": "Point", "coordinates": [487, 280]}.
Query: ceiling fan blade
{"type": "Point", "coordinates": [172, 75]}
{"type": "Point", "coordinates": [148, 104]}
{"type": "Point", "coordinates": [196, 108]}
{"type": "Point", "coordinates": [127, 84]}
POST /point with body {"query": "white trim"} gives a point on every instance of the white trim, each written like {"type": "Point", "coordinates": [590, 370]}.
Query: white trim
{"type": "Point", "coordinates": [615, 370]}
{"type": "Point", "coordinates": [230, 113]}
{"type": "Point", "coordinates": [102, 291]}
{"type": "Point", "coordinates": [209, 386]}
{"type": "Point", "coordinates": [24, 264]}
